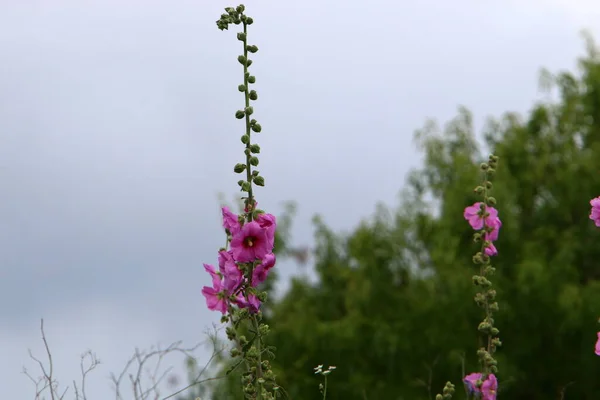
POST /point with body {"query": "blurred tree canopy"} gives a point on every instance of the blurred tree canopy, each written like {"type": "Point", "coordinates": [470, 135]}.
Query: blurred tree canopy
{"type": "Point", "coordinates": [393, 306]}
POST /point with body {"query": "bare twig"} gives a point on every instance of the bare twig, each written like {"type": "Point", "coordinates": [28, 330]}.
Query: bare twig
{"type": "Point", "coordinates": [140, 363]}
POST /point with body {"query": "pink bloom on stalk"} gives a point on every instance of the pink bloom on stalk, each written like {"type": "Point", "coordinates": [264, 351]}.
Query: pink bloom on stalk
{"type": "Point", "coordinates": [216, 295]}
{"type": "Point", "coordinates": [489, 387]}
{"type": "Point", "coordinates": [232, 274]}
{"type": "Point", "coordinates": [230, 221]}
{"type": "Point", "coordinates": [253, 303]}
{"type": "Point", "coordinates": [598, 345]}
{"type": "Point", "coordinates": [471, 214]}
{"type": "Point", "coordinates": [496, 224]}
{"type": "Point", "coordinates": [250, 243]}
{"type": "Point", "coordinates": [595, 213]}
{"type": "Point", "coordinates": [268, 222]}
{"type": "Point", "coordinates": [491, 250]}
{"type": "Point", "coordinates": [260, 272]}
{"type": "Point", "coordinates": [471, 382]}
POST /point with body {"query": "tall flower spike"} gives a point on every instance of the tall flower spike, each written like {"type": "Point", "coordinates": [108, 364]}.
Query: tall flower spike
{"type": "Point", "coordinates": [483, 217]}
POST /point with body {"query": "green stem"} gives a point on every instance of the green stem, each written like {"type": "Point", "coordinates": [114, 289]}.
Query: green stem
{"type": "Point", "coordinates": [250, 199]}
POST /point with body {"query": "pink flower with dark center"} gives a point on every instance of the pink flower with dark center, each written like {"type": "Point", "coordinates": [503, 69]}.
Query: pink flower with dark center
{"type": "Point", "coordinates": [268, 222]}
{"type": "Point", "coordinates": [595, 213]}
{"type": "Point", "coordinates": [260, 272]}
{"type": "Point", "coordinates": [216, 296]}
{"type": "Point", "coordinates": [472, 214]}
{"type": "Point", "coordinates": [230, 271]}
{"type": "Point", "coordinates": [489, 387]}
{"type": "Point", "coordinates": [250, 243]}
{"type": "Point", "coordinates": [598, 345]}
{"type": "Point", "coordinates": [230, 221]}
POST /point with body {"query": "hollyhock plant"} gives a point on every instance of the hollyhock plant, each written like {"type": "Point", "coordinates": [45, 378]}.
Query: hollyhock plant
{"type": "Point", "coordinates": [489, 387]}
{"type": "Point", "coordinates": [251, 243]}
{"type": "Point", "coordinates": [595, 213]}
{"type": "Point", "coordinates": [216, 296]}
{"type": "Point", "coordinates": [473, 214]}
{"type": "Point", "coordinates": [260, 272]}
{"type": "Point", "coordinates": [230, 221]}
{"type": "Point", "coordinates": [486, 390]}
{"type": "Point", "coordinates": [230, 271]}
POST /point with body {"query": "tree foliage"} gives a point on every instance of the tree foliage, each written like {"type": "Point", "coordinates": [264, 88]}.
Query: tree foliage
{"type": "Point", "coordinates": [393, 305]}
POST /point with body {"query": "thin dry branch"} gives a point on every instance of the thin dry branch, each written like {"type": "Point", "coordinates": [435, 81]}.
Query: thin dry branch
{"type": "Point", "coordinates": [145, 380]}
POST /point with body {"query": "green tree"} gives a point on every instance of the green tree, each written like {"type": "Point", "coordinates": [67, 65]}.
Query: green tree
{"type": "Point", "coordinates": [393, 306]}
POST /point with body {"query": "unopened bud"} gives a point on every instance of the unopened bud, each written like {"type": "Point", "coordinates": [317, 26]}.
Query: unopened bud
{"type": "Point", "coordinates": [239, 168]}
{"type": "Point", "coordinates": [254, 148]}
{"type": "Point", "coordinates": [239, 114]}
{"type": "Point", "coordinates": [256, 128]}
{"type": "Point", "coordinates": [251, 79]}
{"type": "Point", "coordinates": [253, 95]}
{"type": "Point", "coordinates": [254, 161]}
{"type": "Point", "coordinates": [259, 181]}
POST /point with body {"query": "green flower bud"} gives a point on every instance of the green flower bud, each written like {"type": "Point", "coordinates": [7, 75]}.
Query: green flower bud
{"type": "Point", "coordinates": [240, 9]}
{"type": "Point", "coordinates": [254, 148]}
{"type": "Point", "coordinates": [239, 114]}
{"type": "Point", "coordinates": [256, 128]}
{"type": "Point", "coordinates": [242, 60]}
{"type": "Point", "coordinates": [241, 182]}
{"type": "Point", "coordinates": [491, 172]}
{"type": "Point", "coordinates": [255, 173]}
{"type": "Point", "coordinates": [247, 152]}
{"type": "Point", "coordinates": [484, 166]}
{"type": "Point", "coordinates": [248, 110]}
{"type": "Point", "coordinates": [249, 21]}
{"type": "Point", "coordinates": [254, 161]}
{"type": "Point", "coordinates": [239, 168]}
{"type": "Point", "coordinates": [488, 185]}
{"type": "Point", "coordinates": [242, 88]}
{"type": "Point", "coordinates": [439, 397]}
{"type": "Point", "coordinates": [478, 190]}
{"type": "Point", "coordinates": [262, 296]}
{"type": "Point", "coordinates": [245, 139]}
{"type": "Point", "coordinates": [251, 79]}
{"type": "Point", "coordinates": [248, 62]}
{"type": "Point", "coordinates": [252, 48]}
{"type": "Point", "coordinates": [229, 10]}
{"type": "Point", "coordinates": [491, 201]}
{"type": "Point", "coordinates": [259, 180]}
{"type": "Point", "coordinates": [253, 95]}
{"type": "Point", "coordinates": [241, 36]}
{"type": "Point", "coordinates": [245, 187]}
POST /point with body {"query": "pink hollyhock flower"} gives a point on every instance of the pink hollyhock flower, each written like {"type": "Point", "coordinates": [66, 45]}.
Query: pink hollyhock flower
{"type": "Point", "coordinates": [491, 249]}
{"type": "Point", "coordinates": [230, 271]}
{"type": "Point", "coordinates": [260, 272]}
{"type": "Point", "coordinates": [471, 214]}
{"type": "Point", "coordinates": [250, 243]}
{"type": "Point", "coordinates": [598, 345]}
{"type": "Point", "coordinates": [216, 296]}
{"type": "Point", "coordinates": [595, 213]}
{"type": "Point", "coordinates": [253, 303]}
{"type": "Point", "coordinates": [230, 221]}
{"type": "Point", "coordinates": [268, 222]}
{"type": "Point", "coordinates": [489, 387]}
{"type": "Point", "coordinates": [471, 382]}
{"type": "Point", "coordinates": [496, 224]}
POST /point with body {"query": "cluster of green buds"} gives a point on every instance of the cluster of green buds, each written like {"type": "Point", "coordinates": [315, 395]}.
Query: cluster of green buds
{"type": "Point", "coordinates": [236, 16]}
{"type": "Point", "coordinates": [447, 392]}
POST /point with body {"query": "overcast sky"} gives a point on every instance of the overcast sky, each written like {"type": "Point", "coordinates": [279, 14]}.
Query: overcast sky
{"type": "Point", "coordinates": [117, 133]}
